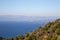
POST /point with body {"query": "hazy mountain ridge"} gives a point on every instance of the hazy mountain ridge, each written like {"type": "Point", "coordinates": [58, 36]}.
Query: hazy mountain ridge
{"type": "Point", "coordinates": [51, 31]}
{"type": "Point", "coordinates": [25, 18]}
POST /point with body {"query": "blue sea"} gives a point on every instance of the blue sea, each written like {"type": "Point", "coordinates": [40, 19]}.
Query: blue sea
{"type": "Point", "coordinates": [11, 29]}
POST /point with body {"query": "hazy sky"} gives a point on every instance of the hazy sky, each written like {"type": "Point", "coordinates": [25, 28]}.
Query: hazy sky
{"type": "Point", "coordinates": [30, 7]}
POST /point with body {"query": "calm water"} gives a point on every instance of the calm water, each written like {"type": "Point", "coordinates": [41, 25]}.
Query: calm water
{"type": "Point", "coordinates": [11, 29]}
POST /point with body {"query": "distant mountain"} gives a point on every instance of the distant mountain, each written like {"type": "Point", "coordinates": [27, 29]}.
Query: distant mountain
{"type": "Point", "coordinates": [25, 18]}
{"type": "Point", "coordinates": [51, 31]}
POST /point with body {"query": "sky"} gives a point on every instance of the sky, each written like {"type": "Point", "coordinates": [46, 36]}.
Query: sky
{"type": "Point", "coordinates": [30, 7]}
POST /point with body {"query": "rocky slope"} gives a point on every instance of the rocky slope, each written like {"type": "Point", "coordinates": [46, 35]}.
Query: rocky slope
{"type": "Point", "coordinates": [51, 31]}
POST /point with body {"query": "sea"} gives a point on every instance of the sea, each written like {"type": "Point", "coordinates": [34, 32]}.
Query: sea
{"type": "Point", "coordinates": [10, 29]}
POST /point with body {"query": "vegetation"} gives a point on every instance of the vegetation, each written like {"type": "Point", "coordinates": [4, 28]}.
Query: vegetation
{"type": "Point", "coordinates": [51, 31]}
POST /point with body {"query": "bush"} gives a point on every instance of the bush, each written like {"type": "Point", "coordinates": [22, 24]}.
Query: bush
{"type": "Point", "coordinates": [33, 37]}
{"type": "Point", "coordinates": [58, 31]}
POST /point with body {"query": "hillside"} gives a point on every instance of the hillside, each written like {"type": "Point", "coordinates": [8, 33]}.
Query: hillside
{"type": "Point", "coordinates": [51, 31]}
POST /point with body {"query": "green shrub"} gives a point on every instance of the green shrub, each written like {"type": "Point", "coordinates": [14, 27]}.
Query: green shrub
{"type": "Point", "coordinates": [58, 31]}
{"type": "Point", "coordinates": [33, 37]}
